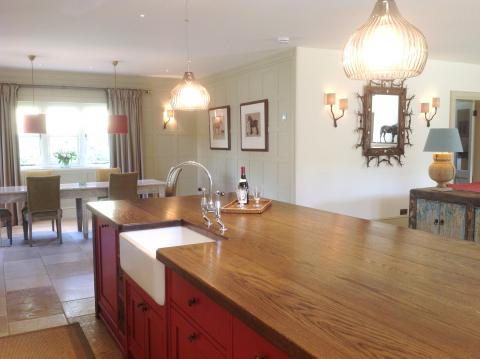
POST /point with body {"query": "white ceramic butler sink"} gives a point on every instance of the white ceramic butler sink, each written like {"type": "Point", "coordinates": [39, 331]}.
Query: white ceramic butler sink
{"type": "Point", "coordinates": [138, 255]}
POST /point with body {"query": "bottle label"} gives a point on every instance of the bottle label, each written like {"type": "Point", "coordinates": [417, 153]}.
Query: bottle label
{"type": "Point", "coordinates": [242, 195]}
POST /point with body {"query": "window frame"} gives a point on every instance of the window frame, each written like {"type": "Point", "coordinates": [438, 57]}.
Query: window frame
{"type": "Point", "coordinates": [45, 139]}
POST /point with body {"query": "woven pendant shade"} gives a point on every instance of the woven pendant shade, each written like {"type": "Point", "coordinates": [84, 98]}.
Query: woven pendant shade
{"type": "Point", "coordinates": [189, 95]}
{"type": "Point", "coordinates": [387, 47]}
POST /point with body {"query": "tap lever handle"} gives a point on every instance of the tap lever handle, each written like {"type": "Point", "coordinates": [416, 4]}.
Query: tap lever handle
{"type": "Point", "coordinates": [202, 189]}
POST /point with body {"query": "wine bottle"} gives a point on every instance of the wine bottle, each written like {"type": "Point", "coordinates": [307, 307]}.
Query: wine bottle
{"type": "Point", "coordinates": [243, 187]}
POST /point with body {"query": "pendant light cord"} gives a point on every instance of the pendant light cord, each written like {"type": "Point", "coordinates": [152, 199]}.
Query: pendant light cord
{"type": "Point", "coordinates": [115, 63]}
{"type": "Point", "coordinates": [33, 84]}
{"type": "Point", "coordinates": [187, 35]}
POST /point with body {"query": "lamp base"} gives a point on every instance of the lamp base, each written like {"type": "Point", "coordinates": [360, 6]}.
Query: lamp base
{"type": "Point", "coordinates": [442, 170]}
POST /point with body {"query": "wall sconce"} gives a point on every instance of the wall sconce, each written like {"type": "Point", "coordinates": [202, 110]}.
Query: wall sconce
{"type": "Point", "coordinates": [330, 100]}
{"type": "Point", "coordinates": [169, 115]}
{"type": "Point", "coordinates": [425, 109]}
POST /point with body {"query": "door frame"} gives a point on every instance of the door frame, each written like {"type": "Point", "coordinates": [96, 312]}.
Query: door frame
{"type": "Point", "coordinates": [467, 96]}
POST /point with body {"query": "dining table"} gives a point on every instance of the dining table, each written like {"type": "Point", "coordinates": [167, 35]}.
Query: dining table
{"type": "Point", "coordinates": [82, 192]}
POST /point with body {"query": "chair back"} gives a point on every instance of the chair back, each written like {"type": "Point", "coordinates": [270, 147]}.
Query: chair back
{"type": "Point", "coordinates": [35, 173]}
{"type": "Point", "coordinates": [43, 194]}
{"type": "Point", "coordinates": [103, 174]}
{"type": "Point", "coordinates": [5, 213]}
{"type": "Point", "coordinates": [123, 186]}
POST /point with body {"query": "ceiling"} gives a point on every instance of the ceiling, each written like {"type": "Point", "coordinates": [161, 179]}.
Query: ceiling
{"type": "Point", "coordinates": [86, 35]}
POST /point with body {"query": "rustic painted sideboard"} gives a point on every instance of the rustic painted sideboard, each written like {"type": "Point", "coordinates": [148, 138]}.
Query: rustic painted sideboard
{"type": "Point", "coordinates": [454, 214]}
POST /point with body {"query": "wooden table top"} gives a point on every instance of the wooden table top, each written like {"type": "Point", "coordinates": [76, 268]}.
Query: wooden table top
{"type": "Point", "coordinates": [319, 284]}
{"type": "Point", "coordinates": [79, 186]}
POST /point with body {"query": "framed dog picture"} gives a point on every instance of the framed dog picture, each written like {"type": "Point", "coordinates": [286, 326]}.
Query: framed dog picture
{"type": "Point", "coordinates": [219, 125]}
{"type": "Point", "coordinates": [254, 125]}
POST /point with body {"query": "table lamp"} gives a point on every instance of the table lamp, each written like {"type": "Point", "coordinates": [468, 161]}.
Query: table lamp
{"type": "Point", "coordinates": [443, 142]}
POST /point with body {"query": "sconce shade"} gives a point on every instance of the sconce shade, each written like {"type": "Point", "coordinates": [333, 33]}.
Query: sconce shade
{"type": "Point", "coordinates": [330, 99]}
{"type": "Point", "coordinates": [189, 95]}
{"type": "Point", "coordinates": [35, 124]}
{"type": "Point", "coordinates": [343, 104]}
{"type": "Point", "coordinates": [386, 47]}
{"type": "Point", "coordinates": [425, 107]}
{"type": "Point", "coordinates": [443, 140]}
{"type": "Point", "coordinates": [436, 102]}
{"type": "Point", "coordinates": [118, 124]}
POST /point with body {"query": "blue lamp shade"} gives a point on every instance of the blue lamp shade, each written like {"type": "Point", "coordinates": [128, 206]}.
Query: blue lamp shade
{"type": "Point", "coordinates": [443, 140]}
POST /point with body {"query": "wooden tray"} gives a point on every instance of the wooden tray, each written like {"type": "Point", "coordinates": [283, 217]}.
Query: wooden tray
{"type": "Point", "coordinates": [233, 207]}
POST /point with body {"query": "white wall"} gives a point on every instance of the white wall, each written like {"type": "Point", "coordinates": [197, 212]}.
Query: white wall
{"type": "Point", "coordinates": [330, 172]}
{"type": "Point", "coordinates": [274, 79]}
{"type": "Point", "coordinates": [309, 161]}
{"type": "Point", "coordinates": [162, 148]}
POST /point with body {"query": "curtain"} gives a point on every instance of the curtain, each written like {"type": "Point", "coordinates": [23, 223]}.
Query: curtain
{"type": "Point", "coordinates": [126, 150]}
{"type": "Point", "coordinates": [9, 150]}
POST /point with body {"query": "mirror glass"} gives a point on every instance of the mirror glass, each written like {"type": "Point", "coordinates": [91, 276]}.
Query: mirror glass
{"type": "Point", "coordinates": [384, 116]}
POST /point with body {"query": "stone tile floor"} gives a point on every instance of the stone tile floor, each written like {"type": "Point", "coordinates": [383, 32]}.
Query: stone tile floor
{"type": "Point", "coordinates": [50, 284]}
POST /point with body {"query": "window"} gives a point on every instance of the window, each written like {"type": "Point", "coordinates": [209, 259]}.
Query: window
{"type": "Point", "coordinates": [77, 127]}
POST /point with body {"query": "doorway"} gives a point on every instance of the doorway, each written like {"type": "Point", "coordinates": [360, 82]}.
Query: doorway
{"type": "Point", "coordinates": [465, 111]}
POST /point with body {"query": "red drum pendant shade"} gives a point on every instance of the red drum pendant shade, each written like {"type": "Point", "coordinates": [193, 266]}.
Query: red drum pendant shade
{"type": "Point", "coordinates": [118, 124]}
{"type": "Point", "coordinates": [35, 124]}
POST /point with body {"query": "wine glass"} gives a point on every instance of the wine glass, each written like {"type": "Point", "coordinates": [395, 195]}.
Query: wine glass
{"type": "Point", "coordinates": [257, 193]}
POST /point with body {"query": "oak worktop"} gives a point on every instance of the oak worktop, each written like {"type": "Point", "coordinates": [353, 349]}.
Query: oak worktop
{"type": "Point", "coordinates": [320, 285]}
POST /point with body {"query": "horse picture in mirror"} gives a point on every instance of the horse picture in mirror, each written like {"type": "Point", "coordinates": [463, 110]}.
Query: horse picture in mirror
{"type": "Point", "coordinates": [392, 130]}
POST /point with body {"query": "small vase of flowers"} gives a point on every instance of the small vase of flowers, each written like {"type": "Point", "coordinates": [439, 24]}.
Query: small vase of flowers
{"type": "Point", "coordinates": [65, 157]}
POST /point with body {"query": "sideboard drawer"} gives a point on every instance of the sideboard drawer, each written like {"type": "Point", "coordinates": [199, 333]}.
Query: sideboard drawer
{"type": "Point", "coordinates": [476, 236]}
{"type": "Point", "coordinates": [198, 307]}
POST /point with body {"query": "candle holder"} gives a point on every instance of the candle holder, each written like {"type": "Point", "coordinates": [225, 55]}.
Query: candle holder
{"type": "Point", "coordinates": [330, 100]}
{"type": "Point", "coordinates": [168, 116]}
{"type": "Point", "coordinates": [425, 109]}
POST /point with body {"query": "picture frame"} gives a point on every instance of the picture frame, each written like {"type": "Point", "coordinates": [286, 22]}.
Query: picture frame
{"type": "Point", "coordinates": [254, 126]}
{"type": "Point", "coordinates": [219, 127]}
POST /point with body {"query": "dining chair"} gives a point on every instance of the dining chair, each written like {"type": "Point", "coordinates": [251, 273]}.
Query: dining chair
{"type": "Point", "coordinates": [36, 173]}
{"type": "Point", "coordinates": [6, 220]}
{"type": "Point", "coordinates": [43, 202]}
{"type": "Point", "coordinates": [123, 186]}
{"type": "Point", "coordinates": [103, 174]}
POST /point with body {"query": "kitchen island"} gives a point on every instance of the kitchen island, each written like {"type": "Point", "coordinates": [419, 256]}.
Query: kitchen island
{"type": "Point", "coordinates": [311, 283]}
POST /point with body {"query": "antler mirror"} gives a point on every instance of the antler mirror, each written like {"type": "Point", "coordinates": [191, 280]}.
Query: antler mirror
{"type": "Point", "coordinates": [384, 122]}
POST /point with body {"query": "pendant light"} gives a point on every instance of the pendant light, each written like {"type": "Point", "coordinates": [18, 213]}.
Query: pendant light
{"type": "Point", "coordinates": [189, 95]}
{"type": "Point", "coordinates": [34, 123]}
{"type": "Point", "coordinates": [117, 124]}
{"type": "Point", "coordinates": [386, 47]}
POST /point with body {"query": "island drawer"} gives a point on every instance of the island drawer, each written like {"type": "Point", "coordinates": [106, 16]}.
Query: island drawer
{"type": "Point", "coordinates": [248, 344]}
{"type": "Point", "coordinates": [189, 341]}
{"type": "Point", "coordinates": [215, 320]}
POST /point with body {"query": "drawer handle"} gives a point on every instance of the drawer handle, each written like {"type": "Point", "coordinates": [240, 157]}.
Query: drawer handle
{"type": "Point", "coordinates": [192, 301]}
{"type": "Point", "coordinates": [442, 222]}
{"type": "Point", "coordinates": [142, 306]}
{"type": "Point", "coordinates": [435, 222]}
{"type": "Point", "coordinates": [261, 356]}
{"type": "Point", "coordinates": [192, 337]}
